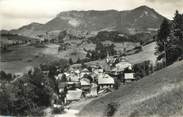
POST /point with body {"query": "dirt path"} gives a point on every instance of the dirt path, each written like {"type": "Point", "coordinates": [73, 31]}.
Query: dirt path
{"type": "Point", "coordinates": [68, 113]}
{"type": "Point", "coordinates": [76, 107]}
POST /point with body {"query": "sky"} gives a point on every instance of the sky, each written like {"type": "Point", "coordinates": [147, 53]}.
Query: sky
{"type": "Point", "coordinates": [16, 13]}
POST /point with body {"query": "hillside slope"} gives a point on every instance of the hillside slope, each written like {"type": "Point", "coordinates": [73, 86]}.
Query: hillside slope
{"type": "Point", "coordinates": [157, 95]}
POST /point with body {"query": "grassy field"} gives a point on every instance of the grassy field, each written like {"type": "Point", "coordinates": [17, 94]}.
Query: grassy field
{"type": "Point", "coordinates": [23, 57]}
{"type": "Point", "coordinates": [157, 95]}
{"type": "Point", "coordinates": [146, 54]}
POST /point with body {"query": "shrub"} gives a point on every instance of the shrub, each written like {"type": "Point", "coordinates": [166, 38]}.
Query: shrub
{"type": "Point", "coordinates": [58, 110]}
{"type": "Point", "coordinates": [111, 109]}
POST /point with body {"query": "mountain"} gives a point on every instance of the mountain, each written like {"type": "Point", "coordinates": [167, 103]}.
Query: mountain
{"type": "Point", "coordinates": [133, 21]}
{"type": "Point", "coordinates": [157, 95]}
{"type": "Point", "coordinates": [28, 30]}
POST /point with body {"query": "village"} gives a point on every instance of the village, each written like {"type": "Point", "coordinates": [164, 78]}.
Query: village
{"type": "Point", "coordinates": [90, 81]}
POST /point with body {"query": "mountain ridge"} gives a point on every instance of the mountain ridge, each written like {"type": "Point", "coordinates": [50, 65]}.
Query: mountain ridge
{"type": "Point", "coordinates": [136, 20]}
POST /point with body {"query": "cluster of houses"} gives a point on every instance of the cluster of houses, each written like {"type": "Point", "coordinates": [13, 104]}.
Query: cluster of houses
{"type": "Point", "coordinates": [82, 82]}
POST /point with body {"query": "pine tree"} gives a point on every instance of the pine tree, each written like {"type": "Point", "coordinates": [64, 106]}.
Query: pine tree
{"type": "Point", "coordinates": [70, 61]}
{"type": "Point", "coordinates": [170, 39]}
{"type": "Point", "coordinates": [178, 26]}
{"type": "Point", "coordinates": [162, 38]}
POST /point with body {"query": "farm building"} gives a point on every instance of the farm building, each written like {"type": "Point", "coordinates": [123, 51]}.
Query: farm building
{"type": "Point", "coordinates": [85, 85]}
{"type": "Point", "coordinates": [62, 86]}
{"type": "Point", "coordinates": [73, 77]}
{"type": "Point", "coordinates": [122, 65]}
{"type": "Point", "coordinates": [84, 71]}
{"type": "Point", "coordinates": [104, 80]}
{"type": "Point", "coordinates": [73, 85]}
{"type": "Point", "coordinates": [128, 75]}
{"type": "Point", "coordinates": [73, 95]}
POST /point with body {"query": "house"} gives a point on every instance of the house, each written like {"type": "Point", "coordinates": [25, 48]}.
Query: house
{"type": "Point", "coordinates": [85, 84]}
{"type": "Point", "coordinates": [59, 76]}
{"type": "Point", "coordinates": [84, 71]}
{"type": "Point", "coordinates": [104, 80]}
{"type": "Point", "coordinates": [18, 75]}
{"type": "Point", "coordinates": [77, 71]}
{"type": "Point", "coordinates": [129, 75]}
{"type": "Point", "coordinates": [94, 67]}
{"type": "Point", "coordinates": [71, 76]}
{"type": "Point", "coordinates": [97, 71]}
{"type": "Point", "coordinates": [74, 77]}
{"type": "Point", "coordinates": [73, 95]}
{"type": "Point", "coordinates": [62, 86]}
{"type": "Point", "coordinates": [73, 85]}
{"type": "Point", "coordinates": [122, 65]}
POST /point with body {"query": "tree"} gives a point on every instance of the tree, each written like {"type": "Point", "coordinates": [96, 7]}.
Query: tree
{"type": "Point", "coordinates": [42, 87]}
{"type": "Point", "coordinates": [63, 78]}
{"type": "Point", "coordinates": [70, 61]}
{"type": "Point", "coordinates": [170, 39]}
{"type": "Point", "coordinates": [162, 38]}
{"type": "Point", "coordinates": [25, 95]}
{"type": "Point", "coordinates": [178, 25]}
{"type": "Point", "coordinates": [51, 76]}
{"type": "Point", "coordinates": [5, 76]}
{"type": "Point", "coordinates": [2, 75]}
{"type": "Point", "coordinates": [61, 36]}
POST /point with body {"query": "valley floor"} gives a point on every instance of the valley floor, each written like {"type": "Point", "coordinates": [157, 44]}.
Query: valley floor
{"type": "Point", "coordinates": [24, 57]}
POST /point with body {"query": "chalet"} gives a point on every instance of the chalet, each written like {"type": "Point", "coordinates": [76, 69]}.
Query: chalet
{"type": "Point", "coordinates": [77, 71]}
{"type": "Point", "coordinates": [18, 74]}
{"type": "Point", "coordinates": [73, 85]}
{"type": "Point", "coordinates": [129, 75]}
{"type": "Point", "coordinates": [59, 77]}
{"type": "Point", "coordinates": [62, 86]}
{"type": "Point", "coordinates": [104, 80]}
{"type": "Point", "coordinates": [74, 77]}
{"type": "Point", "coordinates": [73, 95]}
{"type": "Point", "coordinates": [84, 71]}
{"type": "Point", "coordinates": [85, 84]}
{"type": "Point", "coordinates": [122, 65]}
{"type": "Point", "coordinates": [94, 67]}
{"type": "Point", "coordinates": [97, 71]}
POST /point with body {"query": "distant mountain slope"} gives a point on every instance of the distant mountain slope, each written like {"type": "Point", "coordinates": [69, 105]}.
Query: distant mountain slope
{"type": "Point", "coordinates": [137, 20]}
{"type": "Point", "coordinates": [29, 30]}
{"type": "Point", "coordinates": [157, 95]}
